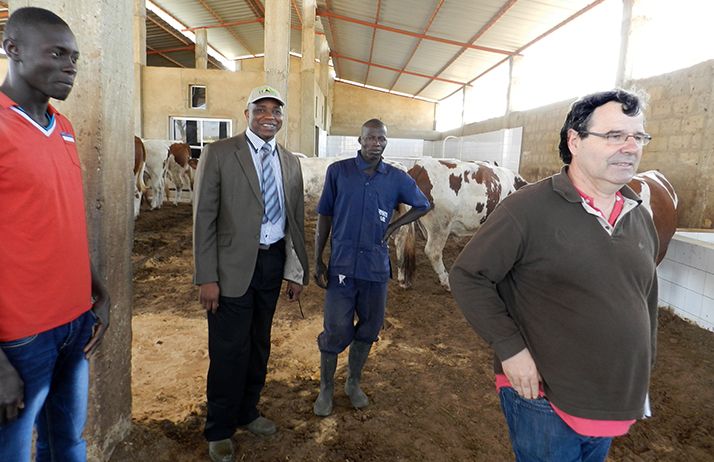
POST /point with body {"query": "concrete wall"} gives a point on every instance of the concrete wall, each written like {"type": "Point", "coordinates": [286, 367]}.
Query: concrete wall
{"type": "Point", "coordinates": [405, 117]}
{"type": "Point", "coordinates": [679, 119]}
{"type": "Point", "coordinates": [681, 122]}
{"type": "Point", "coordinates": [165, 94]}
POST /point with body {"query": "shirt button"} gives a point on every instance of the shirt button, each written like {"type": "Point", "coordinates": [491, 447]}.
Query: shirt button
{"type": "Point", "coordinates": [367, 183]}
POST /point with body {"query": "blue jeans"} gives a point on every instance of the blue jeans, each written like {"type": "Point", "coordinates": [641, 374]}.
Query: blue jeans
{"type": "Point", "coordinates": [56, 376]}
{"type": "Point", "coordinates": [538, 434]}
{"type": "Point", "coordinates": [368, 299]}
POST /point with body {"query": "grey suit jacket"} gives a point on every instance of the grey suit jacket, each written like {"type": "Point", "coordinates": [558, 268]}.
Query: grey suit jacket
{"type": "Point", "coordinates": [227, 213]}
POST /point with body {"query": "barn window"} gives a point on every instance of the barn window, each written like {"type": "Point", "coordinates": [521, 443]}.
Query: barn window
{"type": "Point", "coordinates": [198, 132]}
{"type": "Point", "coordinates": [197, 96]}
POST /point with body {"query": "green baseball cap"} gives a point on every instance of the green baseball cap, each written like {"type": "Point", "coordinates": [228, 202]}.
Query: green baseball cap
{"type": "Point", "coordinates": [265, 91]}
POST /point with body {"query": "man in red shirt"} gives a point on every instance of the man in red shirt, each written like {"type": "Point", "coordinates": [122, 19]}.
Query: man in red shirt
{"type": "Point", "coordinates": [54, 309]}
{"type": "Point", "coordinates": [561, 282]}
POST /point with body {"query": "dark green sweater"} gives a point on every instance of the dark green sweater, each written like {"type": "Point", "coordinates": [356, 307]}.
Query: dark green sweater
{"type": "Point", "coordinates": [543, 273]}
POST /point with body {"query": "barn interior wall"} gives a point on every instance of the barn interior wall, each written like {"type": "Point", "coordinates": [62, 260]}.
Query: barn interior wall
{"type": "Point", "coordinates": [679, 118]}
{"type": "Point", "coordinates": [405, 117]}
{"type": "Point", "coordinates": [165, 94]}
{"type": "Point", "coordinates": [681, 122]}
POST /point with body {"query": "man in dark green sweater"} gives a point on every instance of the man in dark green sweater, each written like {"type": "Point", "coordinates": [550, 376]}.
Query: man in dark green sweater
{"type": "Point", "coordinates": [561, 282]}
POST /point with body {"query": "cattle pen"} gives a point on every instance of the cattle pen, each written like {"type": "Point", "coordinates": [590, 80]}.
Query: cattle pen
{"type": "Point", "coordinates": [430, 379]}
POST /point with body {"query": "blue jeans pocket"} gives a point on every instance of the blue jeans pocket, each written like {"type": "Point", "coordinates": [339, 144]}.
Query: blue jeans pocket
{"type": "Point", "coordinates": [18, 343]}
{"type": "Point", "coordinates": [541, 405]}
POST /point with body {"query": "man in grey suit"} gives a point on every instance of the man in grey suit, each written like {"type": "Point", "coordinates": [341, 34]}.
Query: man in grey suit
{"type": "Point", "coordinates": [248, 235]}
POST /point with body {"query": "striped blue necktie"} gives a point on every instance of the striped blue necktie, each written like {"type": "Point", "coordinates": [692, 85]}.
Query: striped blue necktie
{"type": "Point", "coordinates": [270, 188]}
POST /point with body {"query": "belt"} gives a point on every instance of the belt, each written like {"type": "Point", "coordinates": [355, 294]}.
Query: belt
{"type": "Point", "coordinates": [281, 242]}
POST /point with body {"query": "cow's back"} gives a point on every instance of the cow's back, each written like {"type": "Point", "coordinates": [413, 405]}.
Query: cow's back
{"type": "Point", "coordinates": [181, 152]}
{"type": "Point", "coordinates": [463, 193]}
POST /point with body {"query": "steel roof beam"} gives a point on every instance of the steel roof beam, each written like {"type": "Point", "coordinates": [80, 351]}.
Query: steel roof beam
{"type": "Point", "coordinates": [337, 56]}
{"type": "Point", "coordinates": [169, 30]}
{"type": "Point", "coordinates": [170, 50]}
{"type": "Point", "coordinates": [329, 14]}
{"type": "Point", "coordinates": [499, 14]}
{"type": "Point", "coordinates": [540, 37]}
{"type": "Point", "coordinates": [297, 11]}
{"type": "Point", "coordinates": [334, 36]}
{"type": "Point", "coordinates": [220, 21]}
{"type": "Point", "coordinates": [374, 33]}
{"type": "Point", "coordinates": [167, 58]}
{"type": "Point", "coordinates": [226, 24]}
{"type": "Point", "coordinates": [256, 7]}
{"type": "Point", "coordinates": [414, 50]}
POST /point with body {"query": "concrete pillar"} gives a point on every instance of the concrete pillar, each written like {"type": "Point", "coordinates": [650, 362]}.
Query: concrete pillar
{"type": "Point", "coordinates": [201, 49]}
{"type": "Point", "coordinates": [324, 56]}
{"type": "Point", "coordinates": [139, 62]}
{"type": "Point", "coordinates": [101, 109]}
{"type": "Point", "coordinates": [277, 53]}
{"type": "Point", "coordinates": [624, 64]}
{"type": "Point", "coordinates": [307, 80]}
{"type": "Point", "coordinates": [514, 83]}
{"type": "Point", "coordinates": [326, 82]}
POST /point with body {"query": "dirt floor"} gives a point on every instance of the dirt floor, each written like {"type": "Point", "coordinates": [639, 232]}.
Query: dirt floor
{"type": "Point", "coordinates": [429, 377]}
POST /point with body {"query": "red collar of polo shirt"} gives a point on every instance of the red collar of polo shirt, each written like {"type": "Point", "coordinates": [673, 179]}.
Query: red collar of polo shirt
{"type": "Point", "coordinates": [616, 209]}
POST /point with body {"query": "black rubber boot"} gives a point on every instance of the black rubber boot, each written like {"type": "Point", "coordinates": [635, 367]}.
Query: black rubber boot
{"type": "Point", "coordinates": [358, 356]}
{"type": "Point", "coordinates": [323, 403]}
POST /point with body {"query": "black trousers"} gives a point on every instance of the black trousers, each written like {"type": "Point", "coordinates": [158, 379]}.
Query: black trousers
{"type": "Point", "coordinates": [239, 347]}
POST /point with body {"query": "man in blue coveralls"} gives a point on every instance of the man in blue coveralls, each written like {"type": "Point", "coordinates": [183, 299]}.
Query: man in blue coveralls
{"type": "Point", "coordinates": [357, 202]}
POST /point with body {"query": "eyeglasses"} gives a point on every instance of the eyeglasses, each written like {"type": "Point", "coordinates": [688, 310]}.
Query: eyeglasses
{"type": "Point", "coordinates": [620, 138]}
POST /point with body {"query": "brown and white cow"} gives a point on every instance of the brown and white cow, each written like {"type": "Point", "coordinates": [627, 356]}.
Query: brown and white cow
{"type": "Point", "coordinates": [139, 166]}
{"type": "Point", "coordinates": [157, 152]}
{"type": "Point", "coordinates": [162, 156]}
{"type": "Point", "coordinates": [463, 217]}
{"type": "Point", "coordinates": [463, 194]}
{"type": "Point", "coordinates": [178, 169]}
{"type": "Point", "coordinates": [660, 199]}
{"type": "Point", "coordinates": [314, 170]}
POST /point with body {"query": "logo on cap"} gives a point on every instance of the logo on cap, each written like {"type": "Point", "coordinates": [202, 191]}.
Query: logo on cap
{"type": "Point", "coordinates": [265, 91]}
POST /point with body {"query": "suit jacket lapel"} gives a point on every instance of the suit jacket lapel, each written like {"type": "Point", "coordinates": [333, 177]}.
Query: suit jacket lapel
{"type": "Point", "coordinates": [283, 170]}
{"type": "Point", "coordinates": [245, 160]}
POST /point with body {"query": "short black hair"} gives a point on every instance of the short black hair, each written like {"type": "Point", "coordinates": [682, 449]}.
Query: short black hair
{"type": "Point", "coordinates": [28, 18]}
{"type": "Point", "coordinates": [374, 123]}
{"type": "Point", "coordinates": [582, 110]}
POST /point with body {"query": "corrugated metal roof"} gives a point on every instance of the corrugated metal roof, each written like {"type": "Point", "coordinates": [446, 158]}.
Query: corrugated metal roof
{"type": "Point", "coordinates": [424, 48]}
